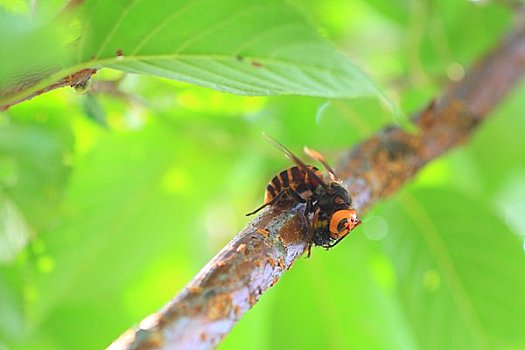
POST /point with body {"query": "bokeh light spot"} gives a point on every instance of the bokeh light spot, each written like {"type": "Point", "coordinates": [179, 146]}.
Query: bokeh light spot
{"type": "Point", "coordinates": [176, 180]}
{"type": "Point", "coordinates": [45, 264]}
{"type": "Point", "coordinates": [375, 228]}
{"type": "Point", "coordinates": [455, 72]}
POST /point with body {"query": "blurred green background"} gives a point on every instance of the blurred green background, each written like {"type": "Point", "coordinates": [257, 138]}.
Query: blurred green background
{"type": "Point", "coordinates": [111, 202]}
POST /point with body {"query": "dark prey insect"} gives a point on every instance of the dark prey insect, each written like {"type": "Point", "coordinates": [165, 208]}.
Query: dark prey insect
{"type": "Point", "coordinates": [328, 204]}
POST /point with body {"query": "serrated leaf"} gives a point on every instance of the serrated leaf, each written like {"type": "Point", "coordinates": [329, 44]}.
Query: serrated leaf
{"type": "Point", "coordinates": [460, 272]}
{"type": "Point", "coordinates": [241, 47]}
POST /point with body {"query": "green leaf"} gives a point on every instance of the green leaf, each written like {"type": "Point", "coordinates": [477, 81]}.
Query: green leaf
{"type": "Point", "coordinates": [14, 230]}
{"type": "Point", "coordinates": [122, 214]}
{"type": "Point", "coordinates": [94, 110]}
{"type": "Point", "coordinates": [460, 272]}
{"type": "Point", "coordinates": [244, 47]}
{"type": "Point", "coordinates": [11, 311]}
{"type": "Point", "coordinates": [31, 51]}
{"type": "Point", "coordinates": [15, 330]}
{"type": "Point", "coordinates": [16, 6]}
{"type": "Point", "coordinates": [32, 178]}
{"type": "Point", "coordinates": [241, 47]}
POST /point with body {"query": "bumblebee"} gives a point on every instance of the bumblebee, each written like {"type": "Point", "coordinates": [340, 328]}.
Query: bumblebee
{"type": "Point", "coordinates": [328, 204]}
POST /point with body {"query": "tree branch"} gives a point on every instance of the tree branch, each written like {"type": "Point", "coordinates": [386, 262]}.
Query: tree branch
{"type": "Point", "coordinates": [232, 282]}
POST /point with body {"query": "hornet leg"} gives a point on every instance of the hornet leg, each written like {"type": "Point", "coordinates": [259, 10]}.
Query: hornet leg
{"type": "Point", "coordinates": [291, 193]}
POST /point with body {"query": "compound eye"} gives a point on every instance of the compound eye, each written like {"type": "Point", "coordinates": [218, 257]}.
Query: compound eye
{"type": "Point", "coordinates": [343, 227]}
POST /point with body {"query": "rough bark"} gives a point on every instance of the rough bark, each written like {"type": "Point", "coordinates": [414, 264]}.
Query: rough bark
{"type": "Point", "coordinates": [233, 281]}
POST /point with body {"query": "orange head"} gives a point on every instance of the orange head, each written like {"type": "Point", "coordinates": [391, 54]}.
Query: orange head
{"type": "Point", "coordinates": [342, 222]}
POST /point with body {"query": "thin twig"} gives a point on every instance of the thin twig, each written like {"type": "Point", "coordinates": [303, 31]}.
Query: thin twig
{"type": "Point", "coordinates": [254, 260]}
{"type": "Point", "coordinates": [73, 80]}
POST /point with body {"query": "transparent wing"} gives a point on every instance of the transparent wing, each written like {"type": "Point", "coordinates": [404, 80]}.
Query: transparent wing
{"type": "Point", "coordinates": [295, 159]}
{"type": "Point", "coordinates": [312, 153]}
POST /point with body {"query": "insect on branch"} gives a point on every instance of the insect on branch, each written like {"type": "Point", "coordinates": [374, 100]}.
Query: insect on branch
{"type": "Point", "coordinates": [232, 282]}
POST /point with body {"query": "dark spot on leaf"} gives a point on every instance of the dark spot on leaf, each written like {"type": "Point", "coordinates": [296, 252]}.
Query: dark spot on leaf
{"type": "Point", "coordinates": [120, 53]}
{"type": "Point", "coordinates": [257, 64]}
{"type": "Point", "coordinates": [239, 58]}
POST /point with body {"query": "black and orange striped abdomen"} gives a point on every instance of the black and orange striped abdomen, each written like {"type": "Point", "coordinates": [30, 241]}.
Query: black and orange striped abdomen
{"type": "Point", "coordinates": [295, 179]}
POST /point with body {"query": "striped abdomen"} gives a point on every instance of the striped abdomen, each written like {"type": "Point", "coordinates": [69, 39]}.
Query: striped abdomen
{"type": "Point", "coordinates": [295, 179]}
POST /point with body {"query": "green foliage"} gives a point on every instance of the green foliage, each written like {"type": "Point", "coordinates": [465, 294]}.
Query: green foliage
{"type": "Point", "coordinates": [242, 47]}
{"type": "Point", "coordinates": [34, 156]}
{"type": "Point", "coordinates": [448, 267]}
{"type": "Point", "coordinates": [111, 201]}
{"type": "Point", "coordinates": [34, 49]}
